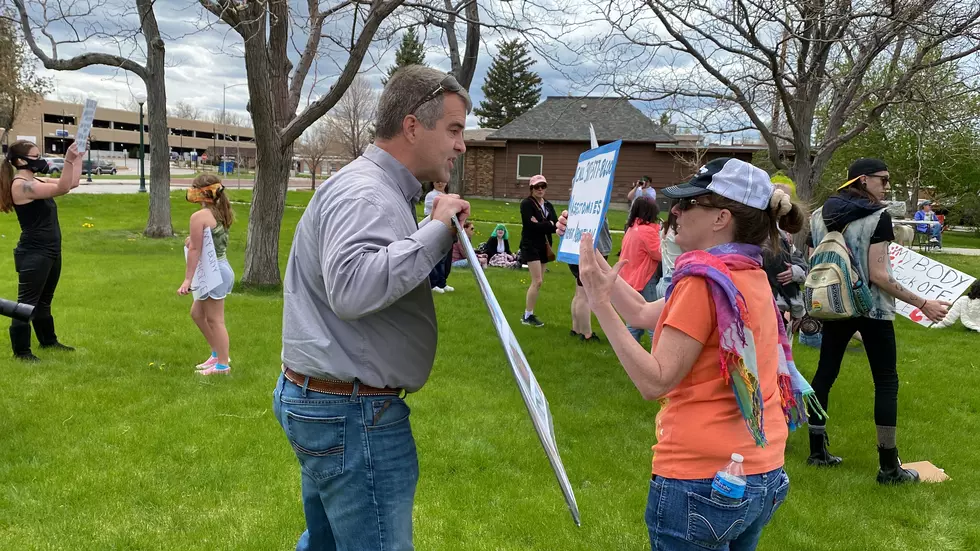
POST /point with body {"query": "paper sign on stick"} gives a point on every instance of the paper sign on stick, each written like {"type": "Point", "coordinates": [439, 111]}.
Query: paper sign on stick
{"type": "Point", "coordinates": [85, 125]}
{"type": "Point", "coordinates": [207, 276]}
{"type": "Point", "coordinates": [534, 400]}
{"type": "Point", "coordinates": [591, 190]}
{"type": "Point", "coordinates": [927, 278]}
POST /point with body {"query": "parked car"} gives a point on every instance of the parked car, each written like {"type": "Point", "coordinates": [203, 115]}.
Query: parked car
{"type": "Point", "coordinates": [99, 167]}
{"type": "Point", "coordinates": [55, 165]}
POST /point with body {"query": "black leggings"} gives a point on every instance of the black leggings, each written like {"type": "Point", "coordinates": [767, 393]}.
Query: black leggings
{"type": "Point", "coordinates": [38, 278]}
{"type": "Point", "coordinates": [879, 344]}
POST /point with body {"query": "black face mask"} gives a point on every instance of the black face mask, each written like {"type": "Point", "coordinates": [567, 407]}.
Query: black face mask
{"type": "Point", "coordinates": [37, 166]}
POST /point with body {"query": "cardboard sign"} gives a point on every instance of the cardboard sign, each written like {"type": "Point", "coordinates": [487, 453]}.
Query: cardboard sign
{"type": "Point", "coordinates": [207, 276]}
{"type": "Point", "coordinates": [534, 400]}
{"type": "Point", "coordinates": [85, 125]}
{"type": "Point", "coordinates": [927, 471]}
{"type": "Point", "coordinates": [927, 278]}
{"type": "Point", "coordinates": [591, 190]}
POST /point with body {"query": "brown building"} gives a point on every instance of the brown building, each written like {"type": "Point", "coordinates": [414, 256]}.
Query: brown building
{"type": "Point", "coordinates": [549, 138]}
{"type": "Point", "coordinates": [115, 132]}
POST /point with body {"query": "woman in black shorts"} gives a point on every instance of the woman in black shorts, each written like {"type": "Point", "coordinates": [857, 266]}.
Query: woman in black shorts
{"type": "Point", "coordinates": [539, 222]}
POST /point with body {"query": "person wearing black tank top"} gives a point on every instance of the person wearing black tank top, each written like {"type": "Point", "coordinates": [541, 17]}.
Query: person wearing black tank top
{"type": "Point", "coordinates": [37, 256]}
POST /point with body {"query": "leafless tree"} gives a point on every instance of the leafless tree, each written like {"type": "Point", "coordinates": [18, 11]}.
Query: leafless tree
{"type": "Point", "coordinates": [315, 146]}
{"type": "Point", "coordinates": [744, 60]}
{"type": "Point", "coordinates": [351, 121]}
{"type": "Point", "coordinates": [86, 23]}
{"type": "Point", "coordinates": [19, 81]}
{"type": "Point", "coordinates": [184, 110]}
{"type": "Point", "coordinates": [275, 88]}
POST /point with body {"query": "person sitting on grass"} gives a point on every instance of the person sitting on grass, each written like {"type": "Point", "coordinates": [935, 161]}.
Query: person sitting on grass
{"type": "Point", "coordinates": [459, 251]}
{"type": "Point", "coordinates": [498, 249]}
{"type": "Point", "coordinates": [208, 311]}
{"type": "Point", "coordinates": [966, 309]}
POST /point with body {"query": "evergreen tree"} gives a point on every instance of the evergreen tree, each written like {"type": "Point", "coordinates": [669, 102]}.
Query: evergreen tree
{"type": "Point", "coordinates": [511, 87]}
{"type": "Point", "coordinates": [410, 52]}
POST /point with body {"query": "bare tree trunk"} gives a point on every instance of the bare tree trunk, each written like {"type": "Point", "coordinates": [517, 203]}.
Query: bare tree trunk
{"type": "Point", "coordinates": [158, 224]}
{"type": "Point", "coordinates": [456, 178]}
{"type": "Point", "coordinates": [265, 214]}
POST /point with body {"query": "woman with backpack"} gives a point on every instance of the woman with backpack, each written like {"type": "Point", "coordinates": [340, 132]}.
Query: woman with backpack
{"type": "Point", "coordinates": [857, 211]}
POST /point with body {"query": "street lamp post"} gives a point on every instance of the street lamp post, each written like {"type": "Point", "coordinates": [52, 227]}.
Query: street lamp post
{"type": "Point", "coordinates": [224, 122]}
{"type": "Point", "coordinates": [89, 178]}
{"type": "Point", "coordinates": [141, 99]}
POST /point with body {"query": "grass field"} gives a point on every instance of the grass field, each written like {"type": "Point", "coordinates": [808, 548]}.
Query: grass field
{"type": "Point", "coordinates": [121, 446]}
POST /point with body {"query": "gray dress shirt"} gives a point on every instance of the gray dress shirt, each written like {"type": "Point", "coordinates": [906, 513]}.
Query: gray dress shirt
{"type": "Point", "coordinates": [357, 301]}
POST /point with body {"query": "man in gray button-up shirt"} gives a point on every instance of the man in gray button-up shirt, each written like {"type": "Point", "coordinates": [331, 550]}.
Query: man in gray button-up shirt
{"type": "Point", "coordinates": [359, 321]}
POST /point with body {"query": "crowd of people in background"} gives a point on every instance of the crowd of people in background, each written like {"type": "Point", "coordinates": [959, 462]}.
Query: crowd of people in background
{"type": "Point", "coordinates": [717, 286]}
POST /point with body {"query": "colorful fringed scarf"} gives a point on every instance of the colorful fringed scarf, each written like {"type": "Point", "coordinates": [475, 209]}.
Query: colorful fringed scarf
{"type": "Point", "coordinates": [738, 362]}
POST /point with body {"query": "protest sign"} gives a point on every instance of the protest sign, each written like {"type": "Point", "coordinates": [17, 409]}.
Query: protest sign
{"type": "Point", "coordinates": [207, 275]}
{"type": "Point", "coordinates": [85, 125]}
{"type": "Point", "coordinates": [591, 190]}
{"type": "Point", "coordinates": [534, 400]}
{"type": "Point", "coordinates": [927, 278]}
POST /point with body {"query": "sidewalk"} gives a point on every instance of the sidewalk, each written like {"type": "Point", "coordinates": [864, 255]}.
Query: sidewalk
{"type": "Point", "coordinates": [132, 186]}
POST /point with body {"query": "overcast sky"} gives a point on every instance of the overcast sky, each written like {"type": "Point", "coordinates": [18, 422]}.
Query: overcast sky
{"type": "Point", "coordinates": [204, 57]}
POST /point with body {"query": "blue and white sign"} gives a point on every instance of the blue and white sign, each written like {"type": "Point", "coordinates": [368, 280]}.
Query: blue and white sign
{"type": "Point", "coordinates": [591, 190]}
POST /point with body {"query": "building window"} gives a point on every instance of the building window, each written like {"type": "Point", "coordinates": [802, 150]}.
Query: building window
{"type": "Point", "coordinates": [528, 166]}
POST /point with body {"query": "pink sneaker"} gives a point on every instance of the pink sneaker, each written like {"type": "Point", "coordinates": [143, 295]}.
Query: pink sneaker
{"type": "Point", "coordinates": [213, 370]}
{"type": "Point", "coordinates": [210, 361]}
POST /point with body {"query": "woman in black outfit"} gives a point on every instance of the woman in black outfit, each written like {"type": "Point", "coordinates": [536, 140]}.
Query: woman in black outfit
{"type": "Point", "coordinates": [539, 222]}
{"type": "Point", "coordinates": [37, 257]}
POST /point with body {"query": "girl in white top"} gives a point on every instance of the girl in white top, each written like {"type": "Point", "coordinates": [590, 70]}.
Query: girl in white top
{"type": "Point", "coordinates": [966, 309]}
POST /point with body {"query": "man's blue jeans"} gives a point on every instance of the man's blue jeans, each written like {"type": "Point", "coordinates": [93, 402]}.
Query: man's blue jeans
{"type": "Point", "coordinates": [681, 515]}
{"type": "Point", "coordinates": [359, 467]}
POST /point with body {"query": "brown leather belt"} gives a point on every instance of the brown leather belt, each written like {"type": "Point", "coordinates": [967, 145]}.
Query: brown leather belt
{"type": "Point", "coordinates": [338, 388]}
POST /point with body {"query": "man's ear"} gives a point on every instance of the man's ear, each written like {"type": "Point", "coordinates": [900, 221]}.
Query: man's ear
{"type": "Point", "coordinates": [410, 128]}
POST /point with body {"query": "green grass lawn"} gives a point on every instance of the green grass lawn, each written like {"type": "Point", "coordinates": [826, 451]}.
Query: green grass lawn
{"type": "Point", "coordinates": [966, 240]}
{"type": "Point", "coordinates": [121, 446]}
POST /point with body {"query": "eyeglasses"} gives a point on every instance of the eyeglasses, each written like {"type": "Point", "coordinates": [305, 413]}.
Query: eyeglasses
{"type": "Point", "coordinates": [539, 186]}
{"type": "Point", "coordinates": [884, 179]}
{"type": "Point", "coordinates": [688, 204]}
{"type": "Point", "coordinates": [447, 84]}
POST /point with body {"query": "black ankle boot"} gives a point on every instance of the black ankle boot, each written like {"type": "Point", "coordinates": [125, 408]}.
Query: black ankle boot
{"type": "Point", "coordinates": [44, 328]}
{"type": "Point", "coordinates": [891, 471]}
{"type": "Point", "coordinates": [820, 456]}
{"type": "Point", "coordinates": [20, 341]}
{"type": "Point", "coordinates": [28, 357]}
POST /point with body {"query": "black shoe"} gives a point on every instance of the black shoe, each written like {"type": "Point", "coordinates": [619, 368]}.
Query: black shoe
{"type": "Point", "coordinates": [891, 471]}
{"type": "Point", "coordinates": [533, 321]}
{"type": "Point", "coordinates": [820, 456]}
{"type": "Point", "coordinates": [27, 358]}
{"type": "Point", "coordinates": [594, 338]}
{"type": "Point", "coordinates": [574, 334]}
{"type": "Point", "coordinates": [58, 346]}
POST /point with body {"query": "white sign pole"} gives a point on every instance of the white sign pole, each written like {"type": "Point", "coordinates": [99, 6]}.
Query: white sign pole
{"type": "Point", "coordinates": [927, 278]}
{"type": "Point", "coordinates": [534, 400]}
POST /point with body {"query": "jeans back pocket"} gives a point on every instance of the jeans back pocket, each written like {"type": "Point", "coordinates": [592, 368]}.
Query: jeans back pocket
{"type": "Point", "coordinates": [318, 443]}
{"type": "Point", "coordinates": [711, 524]}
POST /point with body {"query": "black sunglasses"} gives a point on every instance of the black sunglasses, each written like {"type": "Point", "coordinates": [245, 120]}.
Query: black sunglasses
{"type": "Point", "coordinates": [448, 84]}
{"type": "Point", "coordinates": [688, 204]}
{"type": "Point", "coordinates": [539, 186]}
{"type": "Point", "coordinates": [884, 179]}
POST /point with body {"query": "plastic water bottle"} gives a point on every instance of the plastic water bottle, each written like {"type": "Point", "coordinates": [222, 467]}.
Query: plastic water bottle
{"type": "Point", "coordinates": [728, 486]}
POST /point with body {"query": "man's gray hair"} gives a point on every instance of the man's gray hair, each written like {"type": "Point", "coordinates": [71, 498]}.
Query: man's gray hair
{"type": "Point", "coordinates": [406, 88]}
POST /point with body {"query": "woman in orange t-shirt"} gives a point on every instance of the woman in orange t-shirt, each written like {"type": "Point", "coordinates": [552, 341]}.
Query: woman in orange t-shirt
{"type": "Point", "coordinates": [721, 364]}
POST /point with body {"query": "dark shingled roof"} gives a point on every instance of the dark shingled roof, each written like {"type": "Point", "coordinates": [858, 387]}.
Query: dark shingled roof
{"type": "Point", "coordinates": [567, 119]}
